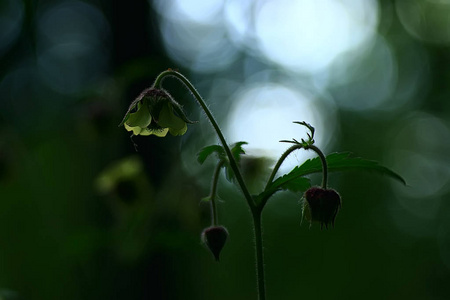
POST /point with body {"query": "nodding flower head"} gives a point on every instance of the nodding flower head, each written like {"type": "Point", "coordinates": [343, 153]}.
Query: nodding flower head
{"type": "Point", "coordinates": [321, 205]}
{"type": "Point", "coordinates": [155, 112]}
{"type": "Point", "coordinates": [215, 237]}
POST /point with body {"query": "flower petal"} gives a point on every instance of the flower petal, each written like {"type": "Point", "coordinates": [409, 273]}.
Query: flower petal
{"type": "Point", "coordinates": [179, 111]}
{"type": "Point", "coordinates": [130, 108]}
{"type": "Point", "coordinates": [176, 132]}
{"type": "Point", "coordinates": [168, 119]}
{"type": "Point", "coordinates": [136, 130]}
{"type": "Point", "coordinates": [141, 118]}
{"type": "Point", "coordinates": [158, 132]}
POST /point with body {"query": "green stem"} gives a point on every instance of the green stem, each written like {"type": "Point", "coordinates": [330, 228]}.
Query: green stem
{"type": "Point", "coordinates": [275, 170]}
{"type": "Point", "coordinates": [280, 161]}
{"type": "Point", "coordinates": [324, 164]}
{"type": "Point", "coordinates": [216, 127]}
{"type": "Point", "coordinates": [256, 210]}
{"type": "Point", "coordinates": [259, 253]}
{"type": "Point", "coordinates": [212, 197]}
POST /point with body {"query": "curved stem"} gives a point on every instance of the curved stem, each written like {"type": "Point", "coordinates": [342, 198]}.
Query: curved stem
{"type": "Point", "coordinates": [259, 253]}
{"type": "Point", "coordinates": [212, 196]}
{"type": "Point", "coordinates": [214, 124]}
{"type": "Point", "coordinates": [255, 210]}
{"type": "Point", "coordinates": [280, 161]}
{"type": "Point", "coordinates": [285, 155]}
{"type": "Point", "coordinates": [324, 164]}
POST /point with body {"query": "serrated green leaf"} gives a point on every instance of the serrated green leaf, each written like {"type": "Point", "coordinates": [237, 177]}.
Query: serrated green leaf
{"type": "Point", "coordinates": [293, 184]}
{"type": "Point", "coordinates": [299, 184]}
{"type": "Point", "coordinates": [237, 150]}
{"type": "Point", "coordinates": [344, 162]}
{"type": "Point", "coordinates": [336, 162]}
{"type": "Point", "coordinates": [208, 150]}
{"type": "Point", "coordinates": [288, 182]}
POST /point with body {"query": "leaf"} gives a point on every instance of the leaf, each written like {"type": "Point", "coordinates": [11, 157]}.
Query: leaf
{"type": "Point", "coordinates": [208, 150]}
{"type": "Point", "coordinates": [299, 184]}
{"type": "Point", "coordinates": [237, 150]}
{"type": "Point", "coordinates": [336, 162]}
{"type": "Point", "coordinates": [286, 182]}
{"type": "Point", "coordinates": [343, 162]}
{"type": "Point", "coordinates": [295, 182]}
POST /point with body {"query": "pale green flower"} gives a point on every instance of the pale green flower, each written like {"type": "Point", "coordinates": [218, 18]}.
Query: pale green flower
{"type": "Point", "coordinates": [155, 112]}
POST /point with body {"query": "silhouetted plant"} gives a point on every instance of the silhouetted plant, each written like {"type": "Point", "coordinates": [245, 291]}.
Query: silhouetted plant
{"type": "Point", "coordinates": [156, 112]}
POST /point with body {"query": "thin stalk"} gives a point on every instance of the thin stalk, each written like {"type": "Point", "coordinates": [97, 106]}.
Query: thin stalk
{"type": "Point", "coordinates": [212, 196]}
{"type": "Point", "coordinates": [259, 253]}
{"type": "Point", "coordinates": [324, 164]}
{"type": "Point", "coordinates": [214, 124]}
{"type": "Point", "coordinates": [285, 155]}
{"type": "Point", "coordinates": [256, 210]}
{"type": "Point", "coordinates": [280, 161]}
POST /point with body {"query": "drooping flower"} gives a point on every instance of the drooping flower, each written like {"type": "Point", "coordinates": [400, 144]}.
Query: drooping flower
{"type": "Point", "coordinates": [155, 112]}
{"type": "Point", "coordinates": [321, 205]}
{"type": "Point", "coordinates": [214, 238]}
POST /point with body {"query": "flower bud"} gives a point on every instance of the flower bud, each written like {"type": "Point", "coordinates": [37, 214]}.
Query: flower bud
{"type": "Point", "coordinates": [321, 205]}
{"type": "Point", "coordinates": [214, 237]}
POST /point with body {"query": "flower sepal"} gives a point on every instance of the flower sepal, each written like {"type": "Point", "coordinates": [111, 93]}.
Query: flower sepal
{"type": "Point", "coordinates": [321, 205]}
{"type": "Point", "coordinates": [155, 112]}
{"type": "Point", "coordinates": [214, 238]}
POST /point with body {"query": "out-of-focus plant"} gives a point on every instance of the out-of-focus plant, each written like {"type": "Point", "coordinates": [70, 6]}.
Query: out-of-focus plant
{"type": "Point", "coordinates": [155, 112]}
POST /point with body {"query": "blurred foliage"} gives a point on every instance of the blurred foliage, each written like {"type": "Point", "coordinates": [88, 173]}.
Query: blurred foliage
{"type": "Point", "coordinates": [85, 216]}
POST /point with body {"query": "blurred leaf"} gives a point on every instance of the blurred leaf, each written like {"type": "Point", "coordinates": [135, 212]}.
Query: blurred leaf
{"type": "Point", "coordinates": [208, 150]}
{"type": "Point", "coordinates": [236, 151]}
{"type": "Point", "coordinates": [206, 199]}
{"type": "Point", "coordinates": [125, 170]}
{"type": "Point", "coordinates": [8, 295]}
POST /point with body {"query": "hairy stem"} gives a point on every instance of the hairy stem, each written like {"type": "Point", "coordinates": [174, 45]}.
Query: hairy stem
{"type": "Point", "coordinates": [280, 161]}
{"type": "Point", "coordinates": [212, 196]}
{"type": "Point", "coordinates": [259, 253]}
{"type": "Point", "coordinates": [214, 124]}
{"type": "Point", "coordinates": [256, 211]}
{"type": "Point", "coordinates": [324, 164]}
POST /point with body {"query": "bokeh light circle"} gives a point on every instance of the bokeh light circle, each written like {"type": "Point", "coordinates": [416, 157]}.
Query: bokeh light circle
{"type": "Point", "coordinates": [308, 35]}
{"type": "Point", "coordinates": [202, 48]}
{"type": "Point", "coordinates": [426, 20]}
{"type": "Point", "coordinates": [420, 156]}
{"type": "Point", "coordinates": [366, 85]}
{"type": "Point", "coordinates": [193, 34]}
{"type": "Point", "coordinates": [11, 18]}
{"type": "Point", "coordinates": [199, 11]}
{"type": "Point", "coordinates": [74, 54]}
{"type": "Point", "coordinates": [262, 115]}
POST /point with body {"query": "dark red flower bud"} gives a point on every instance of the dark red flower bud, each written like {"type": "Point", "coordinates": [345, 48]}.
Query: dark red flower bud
{"type": "Point", "coordinates": [321, 205]}
{"type": "Point", "coordinates": [214, 237]}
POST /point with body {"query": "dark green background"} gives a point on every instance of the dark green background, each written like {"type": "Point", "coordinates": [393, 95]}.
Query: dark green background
{"type": "Point", "coordinates": [63, 237]}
